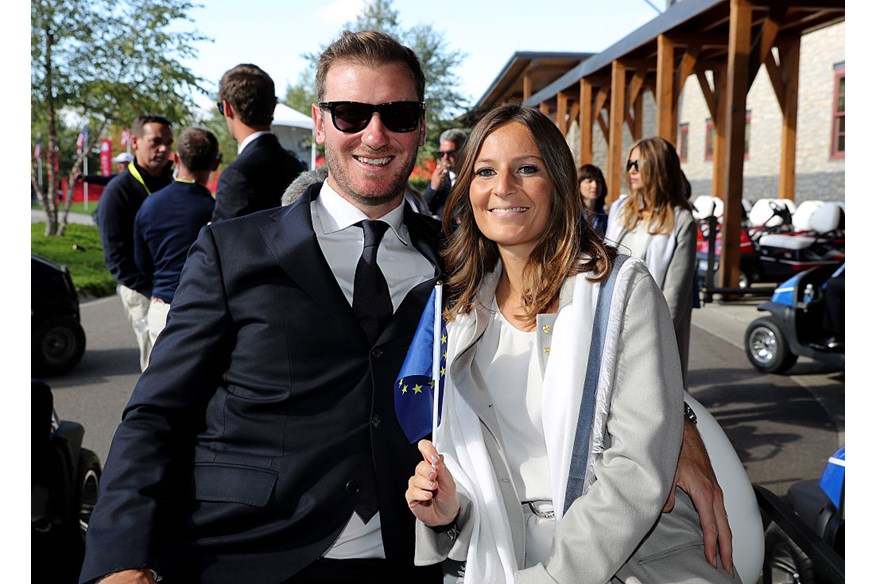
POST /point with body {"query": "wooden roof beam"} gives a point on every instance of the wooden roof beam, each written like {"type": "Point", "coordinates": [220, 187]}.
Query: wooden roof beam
{"type": "Point", "coordinates": [764, 39]}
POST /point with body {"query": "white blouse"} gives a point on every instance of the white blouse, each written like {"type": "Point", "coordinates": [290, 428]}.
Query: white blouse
{"type": "Point", "coordinates": [506, 367]}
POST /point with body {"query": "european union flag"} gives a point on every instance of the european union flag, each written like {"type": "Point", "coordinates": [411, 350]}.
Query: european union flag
{"type": "Point", "coordinates": [417, 407]}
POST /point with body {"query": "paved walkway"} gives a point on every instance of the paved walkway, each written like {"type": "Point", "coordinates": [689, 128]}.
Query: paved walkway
{"type": "Point", "coordinates": [39, 216]}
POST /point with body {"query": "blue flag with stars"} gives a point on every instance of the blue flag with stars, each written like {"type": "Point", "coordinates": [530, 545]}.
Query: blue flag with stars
{"type": "Point", "coordinates": [415, 400]}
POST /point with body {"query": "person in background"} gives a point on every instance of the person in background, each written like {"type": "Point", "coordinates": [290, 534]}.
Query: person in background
{"type": "Point", "coordinates": [263, 169]}
{"type": "Point", "coordinates": [525, 269]}
{"type": "Point", "coordinates": [261, 443]}
{"type": "Point", "coordinates": [301, 182]}
{"type": "Point", "coordinates": [591, 184]}
{"type": "Point", "coordinates": [444, 176]}
{"type": "Point", "coordinates": [150, 171]}
{"type": "Point", "coordinates": [169, 221]}
{"type": "Point", "coordinates": [121, 161]}
{"type": "Point", "coordinates": [655, 223]}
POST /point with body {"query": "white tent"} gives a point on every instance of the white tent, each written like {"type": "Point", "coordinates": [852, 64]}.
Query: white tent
{"type": "Point", "coordinates": [293, 129]}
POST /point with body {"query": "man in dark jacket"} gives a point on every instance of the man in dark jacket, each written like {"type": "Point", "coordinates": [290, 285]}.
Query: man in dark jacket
{"type": "Point", "coordinates": [168, 222]}
{"type": "Point", "coordinates": [263, 169]}
{"type": "Point", "coordinates": [150, 171]}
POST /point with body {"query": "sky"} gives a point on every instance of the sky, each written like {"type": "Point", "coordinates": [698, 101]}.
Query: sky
{"type": "Point", "coordinates": [274, 34]}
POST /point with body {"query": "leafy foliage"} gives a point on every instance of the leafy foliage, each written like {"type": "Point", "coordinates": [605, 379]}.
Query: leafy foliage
{"type": "Point", "coordinates": [103, 63]}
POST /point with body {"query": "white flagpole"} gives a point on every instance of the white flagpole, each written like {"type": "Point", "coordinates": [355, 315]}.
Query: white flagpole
{"type": "Point", "coordinates": [85, 182]}
{"type": "Point", "coordinates": [436, 358]}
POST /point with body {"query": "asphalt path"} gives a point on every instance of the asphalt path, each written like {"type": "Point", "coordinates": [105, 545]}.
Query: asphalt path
{"type": "Point", "coordinates": [782, 426]}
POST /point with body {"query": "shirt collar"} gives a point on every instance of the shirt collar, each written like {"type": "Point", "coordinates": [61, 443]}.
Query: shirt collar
{"type": "Point", "coordinates": [249, 139]}
{"type": "Point", "coordinates": [336, 214]}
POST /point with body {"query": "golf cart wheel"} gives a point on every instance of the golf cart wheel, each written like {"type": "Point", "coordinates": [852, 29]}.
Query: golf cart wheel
{"type": "Point", "coordinates": [784, 561]}
{"type": "Point", "coordinates": [767, 348]}
{"type": "Point", "coordinates": [58, 346]}
{"type": "Point", "coordinates": [87, 486]}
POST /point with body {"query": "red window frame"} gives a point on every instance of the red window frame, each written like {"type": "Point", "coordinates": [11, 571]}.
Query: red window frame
{"type": "Point", "coordinates": [710, 137]}
{"type": "Point", "coordinates": [683, 144]}
{"type": "Point", "coordinates": [838, 116]}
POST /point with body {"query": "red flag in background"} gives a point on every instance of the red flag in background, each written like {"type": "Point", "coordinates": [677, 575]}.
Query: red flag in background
{"type": "Point", "coordinates": [38, 149]}
{"type": "Point", "coordinates": [126, 137]}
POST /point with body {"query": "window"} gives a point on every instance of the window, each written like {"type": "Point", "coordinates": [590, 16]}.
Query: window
{"type": "Point", "coordinates": [682, 141]}
{"type": "Point", "coordinates": [710, 136]}
{"type": "Point", "coordinates": [838, 121]}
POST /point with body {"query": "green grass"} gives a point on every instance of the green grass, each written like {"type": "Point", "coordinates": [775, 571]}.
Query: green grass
{"type": "Point", "coordinates": [80, 250]}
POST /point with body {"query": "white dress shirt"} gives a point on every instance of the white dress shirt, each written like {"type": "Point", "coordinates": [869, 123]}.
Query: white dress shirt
{"type": "Point", "coordinates": [404, 267]}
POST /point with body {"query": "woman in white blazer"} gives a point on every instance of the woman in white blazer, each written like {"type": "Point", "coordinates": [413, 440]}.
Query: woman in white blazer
{"type": "Point", "coordinates": [655, 224]}
{"type": "Point", "coordinates": [526, 272]}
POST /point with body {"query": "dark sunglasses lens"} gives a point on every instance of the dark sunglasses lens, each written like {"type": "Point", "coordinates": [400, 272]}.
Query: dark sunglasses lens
{"type": "Point", "coordinates": [220, 107]}
{"type": "Point", "coordinates": [631, 164]}
{"type": "Point", "coordinates": [351, 117]}
{"type": "Point", "coordinates": [401, 117]}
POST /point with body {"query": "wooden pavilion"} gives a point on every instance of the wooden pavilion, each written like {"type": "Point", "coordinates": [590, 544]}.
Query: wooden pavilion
{"type": "Point", "coordinates": [728, 39]}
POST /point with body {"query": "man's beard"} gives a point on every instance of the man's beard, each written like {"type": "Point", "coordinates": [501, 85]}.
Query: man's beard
{"type": "Point", "coordinates": [394, 190]}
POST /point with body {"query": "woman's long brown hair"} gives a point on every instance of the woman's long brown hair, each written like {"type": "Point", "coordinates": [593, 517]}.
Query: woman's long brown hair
{"type": "Point", "coordinates": [569, 245]}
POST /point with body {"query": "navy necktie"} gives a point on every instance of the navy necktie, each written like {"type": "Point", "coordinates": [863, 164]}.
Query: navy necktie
{"type": "Point", "coordinates": [372, 304]}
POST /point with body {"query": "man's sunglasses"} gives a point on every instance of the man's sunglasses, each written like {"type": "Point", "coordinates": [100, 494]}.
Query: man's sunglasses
{"type": "Point", "coordinates": [631, 164]}
{"type": "Point", "coordinates": [351, 117]}
{"type": "Point", "coordinates": [221, 107]}
{"type": "Point", "coordinates": [443, 153]}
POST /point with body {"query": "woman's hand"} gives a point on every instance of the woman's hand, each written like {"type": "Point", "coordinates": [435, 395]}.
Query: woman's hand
{"type": "Point", "coordinates": [431, 493]}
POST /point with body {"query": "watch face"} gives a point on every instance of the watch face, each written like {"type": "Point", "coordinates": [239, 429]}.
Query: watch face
{"type": "Point", "coordinates": [689, 413]}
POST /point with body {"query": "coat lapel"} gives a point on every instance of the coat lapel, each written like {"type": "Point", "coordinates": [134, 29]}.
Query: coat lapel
{"type": "Point", "coordinates": [292, 242]}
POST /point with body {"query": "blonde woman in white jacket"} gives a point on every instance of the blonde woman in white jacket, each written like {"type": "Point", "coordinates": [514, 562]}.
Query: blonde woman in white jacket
{"type": "Point", "coordinates": [526, 270]}
{"type": "Point", "coordinates": [655, 224]}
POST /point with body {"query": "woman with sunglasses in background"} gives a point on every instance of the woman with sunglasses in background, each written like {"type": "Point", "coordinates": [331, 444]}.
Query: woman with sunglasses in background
{"type": "Point", "coordinates": [655, 223]}
{"type": "Point", "coordinates": [591, 184]}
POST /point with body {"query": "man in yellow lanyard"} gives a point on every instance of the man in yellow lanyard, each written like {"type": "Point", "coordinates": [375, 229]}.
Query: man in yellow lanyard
{"type": "Point", "coordinates": [151, 140]}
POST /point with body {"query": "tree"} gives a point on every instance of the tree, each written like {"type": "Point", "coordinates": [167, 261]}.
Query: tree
{"type": "Point", "coordinates": [104, 62]}
{"type": "Point", "coordinates": [436, 58]}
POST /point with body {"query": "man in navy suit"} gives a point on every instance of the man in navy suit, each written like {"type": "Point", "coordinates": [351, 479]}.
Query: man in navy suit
{"type": "Point", "coordinates": [263, 169]}
{"type": "Point", "coordinates": [261, 443]}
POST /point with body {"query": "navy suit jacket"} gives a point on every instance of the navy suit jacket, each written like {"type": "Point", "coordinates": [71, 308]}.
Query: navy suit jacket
{"type": "Point", "coordinates": [256, 180]}
{"type": "Point", "coordinates": [264, 418]}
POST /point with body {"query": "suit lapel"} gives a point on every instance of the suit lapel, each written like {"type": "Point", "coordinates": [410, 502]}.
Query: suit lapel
{"type": "Point", "coordinates": [292, 241]}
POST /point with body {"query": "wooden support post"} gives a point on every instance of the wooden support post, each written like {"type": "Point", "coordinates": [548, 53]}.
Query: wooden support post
{"type": "Point", "coordinates": [790, 57]}
{"type": "Point", "coordinates": [585, 121]}
{"type": "Point", "coordinates": [665, 89]}
{"type": "Point", "coordinates": [562, 110]}
{"type": "Point", "coordinates": [738, 58]}
{"type": "Point", "coordinates": [616, 131]}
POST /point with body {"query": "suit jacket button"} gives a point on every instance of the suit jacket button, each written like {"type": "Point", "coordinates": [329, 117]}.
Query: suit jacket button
{"type": "Point", "coordinates": [377, 353]}
{"type": "Point", "coordinates": [352, 487]}
{"type": "Point", "coordinates": [375, 420]}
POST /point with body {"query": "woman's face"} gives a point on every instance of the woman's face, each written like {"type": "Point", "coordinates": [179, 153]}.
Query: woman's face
{"type": "Point", "coordinates": [590, 191]}
{"type": "Point", "coordinates": [511, 191]}
{"type": "Point", "coordinates": [633, 170]}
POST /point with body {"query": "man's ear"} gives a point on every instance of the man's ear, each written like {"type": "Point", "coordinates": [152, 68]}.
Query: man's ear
{"type": "Point", "coordinates": [318, 127]}
{"type": "Point", "coordinates": [174, 157]}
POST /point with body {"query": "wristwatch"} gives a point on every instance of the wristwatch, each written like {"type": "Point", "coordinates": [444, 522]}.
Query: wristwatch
{"type": "Point", "coordinates": [689, 414]}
